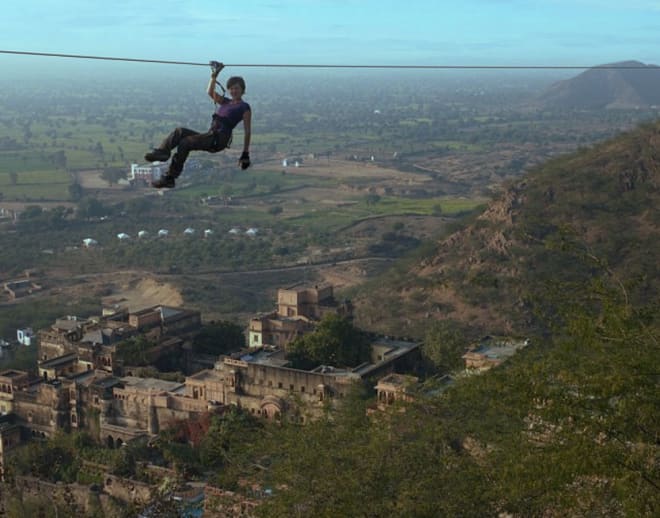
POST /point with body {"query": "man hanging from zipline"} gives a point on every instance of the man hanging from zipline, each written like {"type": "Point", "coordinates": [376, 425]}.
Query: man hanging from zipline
{"type": "Point", "coordinates": [229, 112]}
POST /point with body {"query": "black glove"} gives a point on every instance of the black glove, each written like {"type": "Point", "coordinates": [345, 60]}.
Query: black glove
{"type": "Point", "coordinates": [216, 67]}
{"type": "Point", "coordinates": [244, 161]}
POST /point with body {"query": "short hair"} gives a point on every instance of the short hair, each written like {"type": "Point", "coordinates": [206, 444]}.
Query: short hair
{"type": "Point", "coordinates": [236, 80]}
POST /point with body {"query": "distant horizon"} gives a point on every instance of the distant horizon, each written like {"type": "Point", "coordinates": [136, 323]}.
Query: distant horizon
{"type": "Point", "coordinates": [28, 68]}
{"type": "Point", "coordinates": [30, 65]}
{"type": "Point", "coordinates": [59, 77]}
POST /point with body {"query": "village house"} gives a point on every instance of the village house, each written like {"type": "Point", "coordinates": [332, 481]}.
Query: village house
{"type": "Point", "coordinates": [10, 381]}
{"type": "Point", "coordinates": [145, 174]}
{"type": "Point", "coordinates": [25, 336]}
{"type": "Point", "coordinates": [8, 215]}
{"type": "Point", "coordinates": [93, 342]}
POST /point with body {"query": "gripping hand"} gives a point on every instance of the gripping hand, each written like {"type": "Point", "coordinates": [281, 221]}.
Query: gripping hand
{"type": "Point", "coordinates": [244, 161]}
{"type": "Point", "coordinates": [216, 67]}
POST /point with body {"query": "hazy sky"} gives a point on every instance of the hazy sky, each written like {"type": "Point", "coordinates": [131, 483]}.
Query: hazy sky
{"type": "Point", "coordinates": [339, 31]}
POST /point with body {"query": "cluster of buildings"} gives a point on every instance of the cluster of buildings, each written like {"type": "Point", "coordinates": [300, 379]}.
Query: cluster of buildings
{"type": "Point", "coordinates": [85, 382]}
{"type": "Point", "coordinates": [82, 382]}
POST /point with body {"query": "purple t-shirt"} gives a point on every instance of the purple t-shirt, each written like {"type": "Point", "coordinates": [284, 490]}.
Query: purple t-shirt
{"type": "Point", "coordinates": [228, 115]}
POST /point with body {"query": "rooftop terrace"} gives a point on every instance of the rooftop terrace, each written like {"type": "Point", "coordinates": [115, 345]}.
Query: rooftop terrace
{"type": "Point", "coordinates": [150, 384]}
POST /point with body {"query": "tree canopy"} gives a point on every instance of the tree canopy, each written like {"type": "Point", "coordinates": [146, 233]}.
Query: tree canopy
{"type": "Point", "coordinates": [335, 342]}
{"type": "Point", "coordinates": [219, 338]}
{"type": "Point", "coordinates": [444, 345]}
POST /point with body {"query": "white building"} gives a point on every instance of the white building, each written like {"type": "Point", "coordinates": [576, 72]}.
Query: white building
{"type": "Point", "coordinates": [25, 336]}
{"type": "Point", "coordinates": [235, 231]}
{"type": "Point", "coordinates": [146, 173]}
{"type": "Point", "coordinates": [208, 233]}
{"type": "Point", "coordinates": [89, 242]}
{"type": "Point", "coordinates": [189, 231]}
{"type": "Point", "coordinates": [142, 234]}
{"type": "Point", "coordinates": [163, 233]}
{"type": "Point", "coordinates": [8, 214]}
{"type": "Point", "coordinates": [123, 237]}
{"type": "Point", "coordinates": [252, 232]}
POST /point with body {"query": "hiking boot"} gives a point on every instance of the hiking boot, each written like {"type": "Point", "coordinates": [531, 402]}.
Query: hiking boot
{"type": "Point", "coordinates": [157, 155]}
{"type": "Point", "coordinates": [164, 182]}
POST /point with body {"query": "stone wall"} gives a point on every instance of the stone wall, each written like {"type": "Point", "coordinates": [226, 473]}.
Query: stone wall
{"type": "Point", "coordinates": [44, 411]}
{"type": "Point", "coordinates": [272, 391]}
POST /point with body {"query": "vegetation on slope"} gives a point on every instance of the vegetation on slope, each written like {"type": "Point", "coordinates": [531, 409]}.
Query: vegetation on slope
{"type": "Point", "coordinates": [594, 209]}
{"type": "Point", "coordinates": [569, 427]}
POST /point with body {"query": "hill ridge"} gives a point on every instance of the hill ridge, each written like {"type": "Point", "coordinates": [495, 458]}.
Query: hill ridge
{"type": "Point", "coordinates": [600, 202]}
{"type": "Point", "coordinates": [598, 88]}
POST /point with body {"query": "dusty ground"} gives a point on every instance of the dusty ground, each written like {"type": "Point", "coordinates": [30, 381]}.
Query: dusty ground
{"type": "Point", "coordinates": [138, 294]}
{"type": "Point", "coordinates": [345, 276]}
{"type": "Point", "coordinates": [482, 171]}
{"type": "Point", "coordinates": [347, 170]}
{"type": "Point", "coordinates": [91, 179]}
{"type": "Point", "coordinates": [207, 292]}
{"type": "Point", "coordinates": [421, 227]}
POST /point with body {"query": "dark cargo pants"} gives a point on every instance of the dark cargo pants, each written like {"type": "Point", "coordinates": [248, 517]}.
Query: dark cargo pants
{"type": "Point", "coordinates": [186, 140]}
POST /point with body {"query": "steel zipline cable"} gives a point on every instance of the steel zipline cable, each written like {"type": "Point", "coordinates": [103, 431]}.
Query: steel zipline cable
{"type": "Point", "coordinates": [300, 65]}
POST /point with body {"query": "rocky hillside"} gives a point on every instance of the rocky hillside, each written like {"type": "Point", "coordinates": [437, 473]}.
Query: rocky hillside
{"type": "Point", "coordinates": [595, 212]}
{"type": "Point", "coordinates": [628, 87]}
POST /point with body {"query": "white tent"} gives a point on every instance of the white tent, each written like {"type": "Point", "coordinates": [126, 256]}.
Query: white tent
{"type": "Point", "coordinates": [189, 231]}
{"type": "Point", "coordinates": [208, 232]}
{"type": "Point", "coordinates": [163, 233]}
{"type": "Point", "coordinates": [123, 237]}
{"type": "Point", "coordinates": [251, 232]}
{"type": "Point", "coordinates": [89, 242]}
{"type": "Point", "coordinates": [142, 233]}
